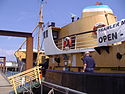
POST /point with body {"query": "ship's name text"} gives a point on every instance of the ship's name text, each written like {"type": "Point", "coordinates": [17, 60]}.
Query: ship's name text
{"type": "Point", "coordinates": [122, 22]}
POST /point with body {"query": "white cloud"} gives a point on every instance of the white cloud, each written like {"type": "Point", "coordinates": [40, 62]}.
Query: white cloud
{"type": "Point", "coordinates": [6, 52]}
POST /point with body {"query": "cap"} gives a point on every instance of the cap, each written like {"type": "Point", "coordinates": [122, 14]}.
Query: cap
{"type": "Point", "coordinates": [87, 52]}
{"type": "Point", "coordinates": [47, 57]}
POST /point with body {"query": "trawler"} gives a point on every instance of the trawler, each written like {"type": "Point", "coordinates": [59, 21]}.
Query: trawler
{"type": "Point", "coordinates": [68, 43]}
{"type": "Point", "coordinates": [96, 31]}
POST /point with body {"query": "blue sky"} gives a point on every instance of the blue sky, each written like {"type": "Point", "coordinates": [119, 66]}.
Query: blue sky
{"type": "Point", "coordinates": [23, 15]}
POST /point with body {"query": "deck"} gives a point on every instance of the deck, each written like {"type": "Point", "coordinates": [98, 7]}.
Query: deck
{"type": "Point", "coordinates": [5, 87]}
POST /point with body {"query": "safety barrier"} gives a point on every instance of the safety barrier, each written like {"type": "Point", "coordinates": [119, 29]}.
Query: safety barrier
{"type": "Point", "coordinates": [20, 79]}
{"type": "Point", "coordinates": [78, 41]}
{"type": "Point", "coordinates": [61, 89]}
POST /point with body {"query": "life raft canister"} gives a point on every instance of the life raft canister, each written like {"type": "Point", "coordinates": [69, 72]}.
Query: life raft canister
{"type": "Point", "coordinates": [98, 25]}
{"type": "Point", "coordinates": [67, 42]}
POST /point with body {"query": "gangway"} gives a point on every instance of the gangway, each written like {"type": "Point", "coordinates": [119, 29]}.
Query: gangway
{"type": "Point", "coordinates": [5, 86]}
{"type": "Point", "coordinates": [23, 79]}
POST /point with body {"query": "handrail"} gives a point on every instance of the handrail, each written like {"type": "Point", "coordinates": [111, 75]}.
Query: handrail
{"type": "Point", "coordinates": [62, 89]}
{"type": "Point", "coordinates": [25, 77]}
{"type": "Point", "coordinates": [77, 34]}
{"type": "Point", "coordinates": [96, 68]}
{"type": "Point", "coordinates": [78, 41]}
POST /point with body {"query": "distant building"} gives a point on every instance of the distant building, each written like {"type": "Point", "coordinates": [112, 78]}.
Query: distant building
{"type": "Point", "coordinates": [11, 65]}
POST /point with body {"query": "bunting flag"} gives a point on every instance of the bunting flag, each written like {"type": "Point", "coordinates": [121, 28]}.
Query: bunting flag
{"type": "Point", "coordinates": [99, 3]}
{"type": "Point", "coordinates": [43, 1]}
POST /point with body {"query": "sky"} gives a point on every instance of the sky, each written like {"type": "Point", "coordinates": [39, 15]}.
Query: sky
{"type": "Point", "coordinates": [23, 16]}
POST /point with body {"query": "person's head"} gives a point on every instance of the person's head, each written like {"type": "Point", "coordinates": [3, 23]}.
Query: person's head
{"type": "Point", "coordinates": [87, 53]}
{"type": "Point", "coordinates": [47, 60]}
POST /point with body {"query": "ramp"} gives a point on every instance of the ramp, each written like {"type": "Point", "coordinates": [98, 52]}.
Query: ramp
{"type": "Point", "coordinates": [5, 86]}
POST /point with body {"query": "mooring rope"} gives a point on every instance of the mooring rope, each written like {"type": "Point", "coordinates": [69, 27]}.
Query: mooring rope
{"type": "Point", "coordinates": [51, 91]}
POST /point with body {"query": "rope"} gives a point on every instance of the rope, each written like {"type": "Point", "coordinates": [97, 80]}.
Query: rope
{"type": "Point", "coordinates": [36, 86]}
{"type": "Point", "coordinates": [25, 40]}
{"type": "Point", "coordinates": [51, 91]}
{"type": "Point", "coordinates": [54, 89]}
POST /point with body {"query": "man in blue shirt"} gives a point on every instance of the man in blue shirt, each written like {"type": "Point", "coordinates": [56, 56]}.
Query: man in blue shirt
{"type": "Point", "coordinates": [89, 63]}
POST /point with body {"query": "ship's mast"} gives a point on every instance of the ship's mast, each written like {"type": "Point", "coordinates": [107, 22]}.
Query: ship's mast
{"type": "Point", "coordinates": [39, 33]}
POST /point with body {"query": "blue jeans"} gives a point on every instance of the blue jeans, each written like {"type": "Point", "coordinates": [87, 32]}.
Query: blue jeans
{"type": "Point", "coordinates": [89, 70]}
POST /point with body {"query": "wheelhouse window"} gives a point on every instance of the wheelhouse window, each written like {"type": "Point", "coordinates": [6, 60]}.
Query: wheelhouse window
{"type": "Point", "coordinates": [55, 34]}
{"type": "Point", "coordinates": [45, 34]}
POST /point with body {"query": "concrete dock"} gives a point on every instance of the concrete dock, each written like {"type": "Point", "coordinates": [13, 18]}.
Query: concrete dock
{"type": "Point", "coordinates": [5, 87]}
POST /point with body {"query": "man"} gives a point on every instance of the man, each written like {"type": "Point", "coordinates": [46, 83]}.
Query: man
{"type": "Point", "coordinates": [45, 66]}
{"type": "Point", "coordinates": [89, 63]}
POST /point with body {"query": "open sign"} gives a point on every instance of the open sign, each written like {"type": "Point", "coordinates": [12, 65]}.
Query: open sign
{"type": "Point", "coordinates": [111, 34]}
{"type": "Point", "coordinates": [108, 37]}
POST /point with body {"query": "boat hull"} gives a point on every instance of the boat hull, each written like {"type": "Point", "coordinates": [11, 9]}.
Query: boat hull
{"type": "Point", "coordinates": [90, 83]}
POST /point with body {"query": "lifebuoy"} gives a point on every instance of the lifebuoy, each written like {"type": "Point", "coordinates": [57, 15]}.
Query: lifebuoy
{"type": "Point", "coordinates": [98, 25]}
{"type": "Point", "coordinates": [67, 42]}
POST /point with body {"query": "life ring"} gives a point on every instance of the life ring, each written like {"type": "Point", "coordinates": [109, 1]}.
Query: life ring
{"type": "Point", "coordinates": [67, 42]}
{"type": "Point", "coordinates": [96, 26]}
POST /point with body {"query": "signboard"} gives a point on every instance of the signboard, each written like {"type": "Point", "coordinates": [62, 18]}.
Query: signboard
{"type": "Point", "coordinates": [111, 34]}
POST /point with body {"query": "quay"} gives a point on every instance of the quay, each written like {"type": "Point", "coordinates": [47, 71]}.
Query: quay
{"type": "Point", "coordinates": [5, 86]}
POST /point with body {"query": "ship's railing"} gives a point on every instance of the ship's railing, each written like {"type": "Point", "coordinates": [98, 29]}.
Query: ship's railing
{"type": "Point", "coordinates": [23, 78]}
{"type": "Point", "coordinates": [80, 40]}
{"type": "Point", "coordinates": [60, 89]}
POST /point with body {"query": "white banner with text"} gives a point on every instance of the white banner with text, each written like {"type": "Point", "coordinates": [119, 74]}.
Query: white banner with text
{"type": "Point", "coordinates": [111, 34]}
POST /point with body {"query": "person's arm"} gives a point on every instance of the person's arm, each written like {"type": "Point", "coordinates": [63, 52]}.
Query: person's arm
{"type": "Point", "coordinates": [94, 64]}
{"type": "Point", "coordinates": [84, 64]}
{"type": "Point", "coordinates": [84, 67]}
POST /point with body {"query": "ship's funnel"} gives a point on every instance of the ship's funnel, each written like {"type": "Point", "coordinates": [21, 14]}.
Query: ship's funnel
{"type": "Point", "coordinates": [93, 17]}
{"type": "Point", "coordinates": [99, 13]}
{"type": "Point", "coordinates": [97, 8]}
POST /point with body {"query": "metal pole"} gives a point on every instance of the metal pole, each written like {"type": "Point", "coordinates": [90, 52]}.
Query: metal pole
{"type": "Point", "coordinates": [75, 41]}
{"type": "Point", "coordinates": [41, 88]}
